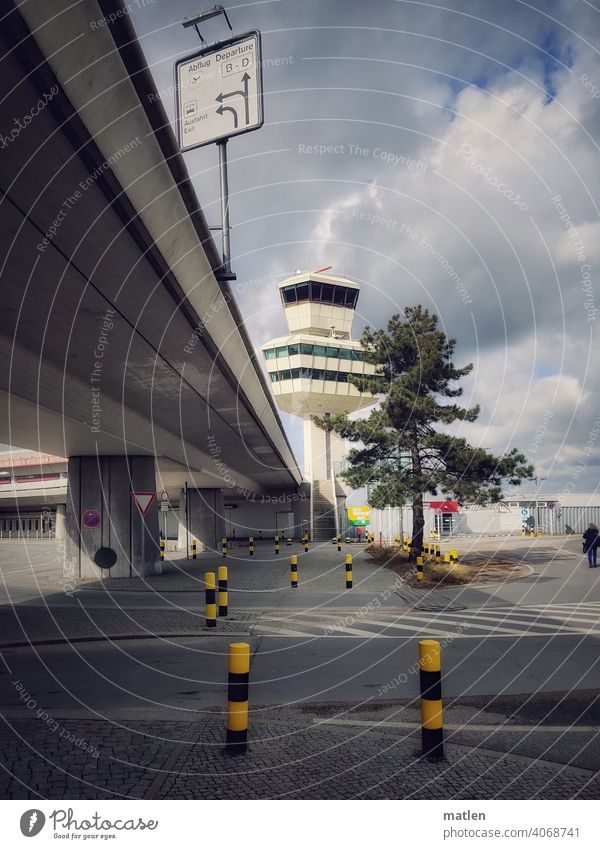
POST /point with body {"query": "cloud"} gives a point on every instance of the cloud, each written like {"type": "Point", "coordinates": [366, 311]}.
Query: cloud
{"type": "Point", "coordinates": [441, 156]}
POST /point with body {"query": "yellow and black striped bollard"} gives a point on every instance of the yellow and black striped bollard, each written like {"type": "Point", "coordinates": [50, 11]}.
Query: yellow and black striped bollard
{"type": "Point", "coordinates": [305, 544]}
{"type": "Point", "coordinates": [419, 568]}
{"type": "Point", "coordinates": [162, 549]}
{"type": "Point", "coordinates": [432, 725]}
{"type": "Point", "coordinates": [210, 599]}
{"type": "Point", "coordinates": [223, 593]}
{"type": "Point", "coordinates": [251, 546]}
{"type": "Point", "coordinates": [276, 545]}
{"type": "Point", "coordinates": [294, 570]}
{"type": "Point", "coordinates": [288, 541]}
{"type": "Point", "coordinates": [438, 554]}
{"type": "Point", "coordinates": [237, 698]}
{"type": "Point", "coordinates": [194, 549]}
{"type": "Point", "coordinates": [339, 542]}
{"type": "Point", "coordinates": [224, 547]}
{"type": "Point", "coordinates": [348, 571]}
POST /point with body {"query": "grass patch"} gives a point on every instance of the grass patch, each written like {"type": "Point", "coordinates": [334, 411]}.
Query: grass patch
{"type": "Point", "coordinates": [434, 574]}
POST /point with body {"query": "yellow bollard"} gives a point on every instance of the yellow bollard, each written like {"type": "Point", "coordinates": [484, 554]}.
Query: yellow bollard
{"type": "Point", "coordinates": [210, 600]}
{"type": "Point", "coordinates": [237, 698]}
{"type": "Point", "coordinates": [432, 724]}
{"type": "Point", "coordinates": [194, 549]}
{"type": "Point", "coordinates": [294, 570]}
{"type": "Point", "coordinates": [223, 592]}
{"type": "Point", "coordinates": [162, 549]}
{"type": "Point", "coordinates": [348, 571]}
{"type": "Point", "coordinates": [419, 568]}
{"type": "Point", "coordinates": [224, 547]}
{"type": "Point", "coordinates": [339, 542]}
{"type": "Point", "coordinates": [305, 544]}
{"type": "Point", "coordinates": [276, 545]}
{"type": "Point", "coordinates": [251, 546]}
{"type": "Point", "coordinates": [288, 541]}
{"type": "Point", "coordinates": [438, 554]}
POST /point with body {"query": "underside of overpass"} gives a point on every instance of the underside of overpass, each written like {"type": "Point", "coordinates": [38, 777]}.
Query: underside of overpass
{"type": "Point", "coordinates": [119, 343]}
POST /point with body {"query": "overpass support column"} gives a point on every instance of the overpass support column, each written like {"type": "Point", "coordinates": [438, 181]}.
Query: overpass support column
{"type": "Point", "coordinates": [101, 513]}
{"type": "Point", "coordinates": [204, 519]}
{"type": "Point", "coordinates": [59, 520]}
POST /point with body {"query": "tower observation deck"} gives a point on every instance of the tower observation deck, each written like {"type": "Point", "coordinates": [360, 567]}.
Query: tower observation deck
{"type": "Point", "coordinates": [309, 368]}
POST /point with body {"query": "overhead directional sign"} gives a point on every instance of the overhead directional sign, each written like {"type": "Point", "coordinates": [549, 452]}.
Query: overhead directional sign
{"type": "Point", "coordinates": [218, 91]}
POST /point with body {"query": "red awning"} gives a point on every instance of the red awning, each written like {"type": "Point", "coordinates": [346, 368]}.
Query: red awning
{"type": "Point", "coordinates": [444, 506]}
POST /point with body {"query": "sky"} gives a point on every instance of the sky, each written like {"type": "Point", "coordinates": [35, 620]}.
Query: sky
{"type": "Point", "coordinates": [443, 154]}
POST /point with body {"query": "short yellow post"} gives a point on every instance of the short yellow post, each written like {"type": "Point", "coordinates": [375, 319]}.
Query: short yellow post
{"type": "Point", "coordinates": [162, 549]}
{"type": "Point", "coordinates": [224, 547]}
{"type": "Point", "coordinates": [210, 599]}
{"type": "Point", "coordinates": [276, 545]}
{"type": "Point", "coordinates": [237, 698]}
{"type": "Point", "coordinates": [223, 592]}
{"type": "Point", "coordinates": [251, 546]}
{"type": "Point", "coordinates": [419, 569]}
{"type": "Point", "coordinates": [294, 570]}
{"type": "Point", "coordinates": [339, 542]}
{"type": "Point", "coordinates": [432, 725]}
{"type": "Point", "coordinates": [194, 549]}
{"type": "Point", "coordinates": [348, 571]}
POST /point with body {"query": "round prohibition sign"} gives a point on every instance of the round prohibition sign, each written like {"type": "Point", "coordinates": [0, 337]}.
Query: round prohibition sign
{"type": "Point", "coordinates": [90, 518]}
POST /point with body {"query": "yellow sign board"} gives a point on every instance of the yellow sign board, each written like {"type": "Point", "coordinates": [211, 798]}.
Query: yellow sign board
{"type": "Point", "coordinates": [359, 516]}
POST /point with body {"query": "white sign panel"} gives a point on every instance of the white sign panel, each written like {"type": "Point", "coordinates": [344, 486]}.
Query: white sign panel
{"type": "Point", "coordinates": [218, 91]}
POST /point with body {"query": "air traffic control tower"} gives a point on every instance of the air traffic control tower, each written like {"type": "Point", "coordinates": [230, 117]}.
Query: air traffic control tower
{"type": "Point", "coordinates": [309, 372]}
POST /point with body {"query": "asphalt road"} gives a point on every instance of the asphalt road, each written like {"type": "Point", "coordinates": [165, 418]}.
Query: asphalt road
{"type": "Point", "coordinates": [317, 643]}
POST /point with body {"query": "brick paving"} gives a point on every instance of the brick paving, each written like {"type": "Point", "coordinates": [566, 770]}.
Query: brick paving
{"type": "Point", "coordinates": [21, 624]}
{"type": "Point", "coordinates": [289, 757]}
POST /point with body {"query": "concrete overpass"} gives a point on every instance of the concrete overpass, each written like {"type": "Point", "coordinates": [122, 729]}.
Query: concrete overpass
{"type": "Point", "coordinates": [119, 342]}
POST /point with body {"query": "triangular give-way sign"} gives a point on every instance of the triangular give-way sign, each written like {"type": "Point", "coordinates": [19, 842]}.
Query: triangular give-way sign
{"type": "Point", "coordinates": [143, 500]}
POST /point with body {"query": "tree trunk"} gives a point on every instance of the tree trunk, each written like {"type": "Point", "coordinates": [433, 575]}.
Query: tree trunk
{"type": "Point", "coordinates": [417, 505]}
{"type": "Point", "coordinates": [418, 524]}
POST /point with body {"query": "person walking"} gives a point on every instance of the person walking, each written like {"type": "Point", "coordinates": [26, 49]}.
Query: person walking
{"type": "Point", "coordinates": [591, 541]}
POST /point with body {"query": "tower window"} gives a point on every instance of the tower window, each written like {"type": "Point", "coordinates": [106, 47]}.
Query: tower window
{"type": "Point", "coordinates": [289, 294]}
{"type": "Point", "coordinates": [302, 291]}
{"type": "Point", "coordinates": [269, 354]}
{"type": "Point", "coordinates": [293, 350]}
{"type": "Point", "coordinates": [326, 294]}
{"type": "Point", "coordinates": [282, 352]}
{"type": "Point", "coordinates": [320, 351]}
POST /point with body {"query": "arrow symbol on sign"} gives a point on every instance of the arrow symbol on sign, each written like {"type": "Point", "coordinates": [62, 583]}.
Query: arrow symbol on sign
{"type": "Point", "coordinates": [222, 109]}
{"type": "Point", "coordinates": [221, 97]}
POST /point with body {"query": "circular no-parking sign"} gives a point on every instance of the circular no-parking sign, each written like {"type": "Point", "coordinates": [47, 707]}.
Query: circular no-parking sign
{"type": "Point", "coordinates": [90, 518]}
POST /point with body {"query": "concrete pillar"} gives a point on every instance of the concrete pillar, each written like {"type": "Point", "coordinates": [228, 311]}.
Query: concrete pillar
{"type": "Point", "coordinates": [206, 518]}
{"type": "Point", "coordinates": [104, 485]}
{"type": "Point", "coordinates": [182, 534]}
{"type": "Point", "coordinates": [59, 522]}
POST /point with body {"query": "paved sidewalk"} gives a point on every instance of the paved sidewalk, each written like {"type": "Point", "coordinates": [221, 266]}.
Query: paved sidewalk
{"type": "Point", "coordinates": [290, 757]}
{"type": "Point", "coordinates": [22, 625]}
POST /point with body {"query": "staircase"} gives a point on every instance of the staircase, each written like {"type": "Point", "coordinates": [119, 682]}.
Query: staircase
{"type": "Point", "coordinates": [323, 507]}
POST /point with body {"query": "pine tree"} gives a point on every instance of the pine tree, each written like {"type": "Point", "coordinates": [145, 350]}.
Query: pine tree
{"type": "Point", "coordinates": [403, 455]}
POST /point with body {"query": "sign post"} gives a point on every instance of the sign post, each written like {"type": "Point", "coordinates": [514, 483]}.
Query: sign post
{"type": "Point", "coordinates": [218, 94]}
{"type": "Point", "coordinates": [143, 501]}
